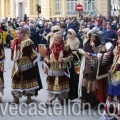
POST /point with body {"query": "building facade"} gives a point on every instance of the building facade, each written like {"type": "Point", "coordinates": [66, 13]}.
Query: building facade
{"type": "Point", "coordinates": [6, 8]}
{"type": "Point", "coordinates": [54, 8]}
{"type": "Point", "coordinates": [115, 11]}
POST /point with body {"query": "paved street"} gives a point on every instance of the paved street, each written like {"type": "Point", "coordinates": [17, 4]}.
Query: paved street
{"type": "Point", "coordinates": [32, 113]}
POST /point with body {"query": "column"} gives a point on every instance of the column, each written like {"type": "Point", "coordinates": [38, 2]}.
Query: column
{"type": "Point", "coordinates": [27, 7]}
{"type": "Point", "coordinates": [117, 11]}
{"type": "Point", "coordinates": [97, 5]}
{"type": "Point", "coordinates": [100, 5]}
{"type": "Point", "coordinates": [5, 8]}
{"type": "Point", "coordinates": [63, 8]}
{"type": "Point", "coordinates": [2, 8]}
{"type": "Point", "coordinates": [11, 13]}
{"type": "Point", "coordinates": [82, 3]}
{"type": "Point", "coordinates": [103, 7]}
{"type": "Point", "coordinates": [8, 6]}
{"type": "Point", "coordinates": [53, 8]}
{"type": "Point", "coordinates": [98, 1]}
{"type": "Point", "coordinates": [35, 11]}
{"type": "Point", "coordinates": [45, 9]}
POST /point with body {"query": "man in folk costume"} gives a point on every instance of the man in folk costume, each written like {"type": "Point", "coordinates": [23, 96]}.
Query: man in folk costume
{"type": "Point", "coordinates": [57, 70]}
{"type": "Point", "coordinates": [25, 74]}
{"type": "Point", "coordinates": [2, 58]}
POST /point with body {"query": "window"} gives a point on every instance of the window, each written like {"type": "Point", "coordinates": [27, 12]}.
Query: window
{"type": "Point", "coordinates": [57, 7]}
{"type": "Point", "coordinates": [71, 4]}
{"type": "Point", "coordinates": [89, 7]}
{"type": "Point", "coordinates": [8, 11]}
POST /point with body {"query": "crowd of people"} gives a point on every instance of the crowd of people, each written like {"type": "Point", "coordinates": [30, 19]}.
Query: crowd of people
{"type": "Point", "coordinates": [89, 44]}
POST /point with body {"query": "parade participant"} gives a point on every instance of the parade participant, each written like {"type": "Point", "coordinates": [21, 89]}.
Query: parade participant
{"type": "Point", "coordinates": [2, 58]}
{"type": "Point", "coordinates": [74, 43]}
{"type": "Point", "coordinates": [90, 84]}
{"type": "Point", "coordinates": [113, 100]}
{"type": "Point", "coordinates": [85, 37]}
{"type": "Point", "coordinates": [48, 39]}
{"type": "Point", "coordinates": [25, 74]}
{"type": "Point", "coordinates": [72, 40]}
{"type": "Point", "coordinates": [57, 70]}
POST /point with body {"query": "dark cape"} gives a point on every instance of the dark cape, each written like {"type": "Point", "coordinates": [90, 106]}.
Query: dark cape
{"type": "Point", "coordinates": [38, 79]}
{"type": "Point", "coordinates": [74, 80]}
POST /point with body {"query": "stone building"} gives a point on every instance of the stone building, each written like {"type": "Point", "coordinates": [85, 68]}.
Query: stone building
{"type": "Point", "coordinates": [54, 8]}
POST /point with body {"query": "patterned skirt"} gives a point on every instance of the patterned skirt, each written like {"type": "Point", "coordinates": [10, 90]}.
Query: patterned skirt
{"type": "Point", "coordinates": [57, 85]}
{"type": "Point", "coordinates": [26, 79]}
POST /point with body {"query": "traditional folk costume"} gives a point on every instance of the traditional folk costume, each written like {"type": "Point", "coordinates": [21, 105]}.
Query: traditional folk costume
{"type": "Point", "coordinates": [58, 73]}
{"type": "Point", "coordinates": [91, 73]}
{"type": "Point", "coordinates": [49, 38]}
{"type": "Point", "coordinates": [74, 43]}
{"type": "Point", "coordinates": [112, 108]}
{"type": "Point", "coordinates": [2, 58]}
{"type": "Point", "coordinates": [85, 37]}
{"type": "Point", "coordinates": [25, 74]}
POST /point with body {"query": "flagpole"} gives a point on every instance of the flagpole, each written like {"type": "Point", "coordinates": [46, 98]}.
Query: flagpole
{"type": "Point", "coordinates": [94, 7]}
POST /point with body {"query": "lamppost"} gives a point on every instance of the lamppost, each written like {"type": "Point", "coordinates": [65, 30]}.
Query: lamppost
{"type": "Point", "coordinates": [38, 9]}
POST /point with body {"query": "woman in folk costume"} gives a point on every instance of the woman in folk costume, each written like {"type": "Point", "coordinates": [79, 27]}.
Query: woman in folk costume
{"type": "Point", "coordinates": [112, 108]}
{"type": "Point", "coordinates": [25, 74]}
{"type": "Point", "coordinates": [74, 43]}
{"type": "Point", "coordinates": [49, 38]}
{"type": "Point", "coordinates": [72, 40]}
{"type": "Point", "coordinates": [57, 69]}
{"type": "Point", "coordinates": [2, 58]}
{"type": "Point", "coordinates": [90, 83]}
{"type": "Point", "coordinates": [85, 37]}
